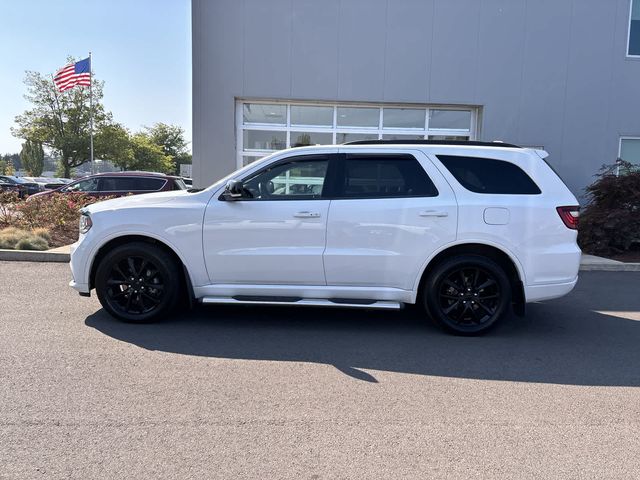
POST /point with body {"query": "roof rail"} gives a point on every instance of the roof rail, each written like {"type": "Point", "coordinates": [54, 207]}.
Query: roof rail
{"type": "Point", "coordinates": [463, 143]}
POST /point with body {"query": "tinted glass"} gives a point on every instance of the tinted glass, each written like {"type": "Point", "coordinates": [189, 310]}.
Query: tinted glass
{"type": "Point", "coordinates": [484, 175]}
{"type": "Point", "coordinates": [150, 184]}
{"type": "Point", "coordinates": [296, 180]}
{"type": "Point", "coordinates": [118, 184]}
{"type": "Point", "coordinates": [373, 176]}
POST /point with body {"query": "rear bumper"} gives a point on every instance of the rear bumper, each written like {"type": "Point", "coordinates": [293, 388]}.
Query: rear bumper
{"type": "Point", "coordinates": [536, 293]}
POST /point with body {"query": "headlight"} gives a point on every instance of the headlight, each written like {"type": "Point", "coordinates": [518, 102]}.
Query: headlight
{"type": "Point", "coordinates": [85, 222]}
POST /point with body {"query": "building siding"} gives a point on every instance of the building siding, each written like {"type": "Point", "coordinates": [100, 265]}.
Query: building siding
{"type": "Point", "coordinates": [545, 72]}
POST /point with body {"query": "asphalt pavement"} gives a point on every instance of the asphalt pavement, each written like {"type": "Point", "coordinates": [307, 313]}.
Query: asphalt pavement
{"type": "Point", "coordinates": [269, 393]}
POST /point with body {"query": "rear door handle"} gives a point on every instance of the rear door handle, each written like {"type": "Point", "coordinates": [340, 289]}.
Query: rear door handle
{"type": "Point", "coordinates": [306, 215]}
{"type": "Point", "coordinates": [434, 213]}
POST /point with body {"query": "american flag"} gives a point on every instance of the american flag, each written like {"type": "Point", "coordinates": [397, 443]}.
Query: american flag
{"type": "Point", "coordinates": [69, 76]}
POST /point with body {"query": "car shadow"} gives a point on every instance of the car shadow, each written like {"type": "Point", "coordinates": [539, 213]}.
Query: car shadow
{"type": "Point", "coordinates": [590, 337]}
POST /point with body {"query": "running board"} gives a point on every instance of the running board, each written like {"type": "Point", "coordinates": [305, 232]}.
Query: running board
{"type": "Point", "coordinates": [305, 302]}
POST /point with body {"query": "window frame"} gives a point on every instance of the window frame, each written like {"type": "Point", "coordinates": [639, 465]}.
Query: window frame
{"type": "Point", "coordinates": [494, 159]}
{"type": "Point", "coordinates": [621, 139]}
{"type": "Point", "coordinates": [629, 55]}
{"type": "Point", "coordinates": [335, 130]}
{"type": "Point", "coordinates": [310, 157]}
{"type": "Point", "coordinates": [336, 187]}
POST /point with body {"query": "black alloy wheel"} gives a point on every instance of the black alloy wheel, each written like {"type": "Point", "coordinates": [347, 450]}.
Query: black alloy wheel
{"type": "Point", "coordinates": [137, 282]}
{"type": "Point", "coordinates": [468, 294]}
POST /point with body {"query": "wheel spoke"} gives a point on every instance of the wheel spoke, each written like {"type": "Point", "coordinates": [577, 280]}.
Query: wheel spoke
{"type": "Point", "coordinates": [452, 285]}
{"type": "Point", "coordinates": [488, 283]}
{"type": "Point", "coordinates": [490, 311]}
{"type": "Point", "coordinates": [451, 307]}
{"type": "Point", "coordinates": [154, 300]}
{"type": "Point", "coordinates": [132, 266]}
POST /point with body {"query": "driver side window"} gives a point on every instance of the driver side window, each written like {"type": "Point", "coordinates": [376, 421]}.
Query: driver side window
{"type": "Point", "coordinates": [301, 178]}
{"type": "Point", "coordinates": [89, 185]}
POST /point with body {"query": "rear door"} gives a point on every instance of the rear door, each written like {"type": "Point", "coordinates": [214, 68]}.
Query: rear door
{"type": "Point", "coordinates": [389, 212]}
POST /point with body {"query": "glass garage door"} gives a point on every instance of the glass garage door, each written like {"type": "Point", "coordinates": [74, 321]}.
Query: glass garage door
{"type": "Point", "coordinates": [267, 126]}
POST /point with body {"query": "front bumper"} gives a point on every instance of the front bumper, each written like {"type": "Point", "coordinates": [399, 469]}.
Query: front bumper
{"type": "Point", "coordinates": [79, 268]}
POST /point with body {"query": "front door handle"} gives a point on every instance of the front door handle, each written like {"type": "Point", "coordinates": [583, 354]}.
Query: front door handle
{"type": "Point", "coordinates": [306, 215]}
{"type": "Point", "coordinates": [434, 213]}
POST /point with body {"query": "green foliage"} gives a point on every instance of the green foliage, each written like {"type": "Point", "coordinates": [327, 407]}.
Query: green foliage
{"type": "Point", "coordinates": [53, 217]}
{"type": "Point", "coordinates": [610, 223]}
{"type": "Point", "coordinates": [14, 238]}
{"type": "Point", "coordinates": [146, 156]}
{"type": "Point", "coordinates": [32, 156]}
{"type": "Point", "coordinates": [113, 142]}
{"type": "Point", "coordinates": [171, 139]}
{"type": "Point", "coordinates": [60, 120]}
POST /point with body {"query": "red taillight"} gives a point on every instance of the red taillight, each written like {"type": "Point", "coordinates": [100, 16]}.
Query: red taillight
{"type": "Point", "coordinates": [569, 216]}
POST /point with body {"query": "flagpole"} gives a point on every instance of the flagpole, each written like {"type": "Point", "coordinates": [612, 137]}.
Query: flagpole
{"type": "Point", "coordinates": [93, 167]}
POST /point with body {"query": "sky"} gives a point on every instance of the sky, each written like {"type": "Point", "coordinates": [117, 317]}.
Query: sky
{"type": "Point", "coordinates": [141, 49]}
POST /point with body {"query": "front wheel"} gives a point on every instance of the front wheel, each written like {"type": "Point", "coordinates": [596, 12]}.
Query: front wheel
{"type": "Point", "coordinates": [137, 282]}
{"type": "Point", "coordinates": [467, 294]}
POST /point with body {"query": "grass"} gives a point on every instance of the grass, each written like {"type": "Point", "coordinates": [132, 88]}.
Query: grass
{"type": "Point", "coordinates": [16, 239]}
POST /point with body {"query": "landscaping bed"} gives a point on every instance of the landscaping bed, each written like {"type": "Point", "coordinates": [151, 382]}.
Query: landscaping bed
{"type": "Point", "coordinates": [42, 222]}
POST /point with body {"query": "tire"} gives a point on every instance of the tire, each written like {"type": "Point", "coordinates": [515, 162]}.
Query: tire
{"type": "Point", "coordinates": [138, 282]}
{"type": "Point", "coordinates": [467, 294]}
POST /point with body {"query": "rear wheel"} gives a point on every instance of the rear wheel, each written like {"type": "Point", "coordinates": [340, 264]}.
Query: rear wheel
{"type": "Point", "coordinates": [137, 282]}
{"type": "Point", "coordinates": [467, 294]}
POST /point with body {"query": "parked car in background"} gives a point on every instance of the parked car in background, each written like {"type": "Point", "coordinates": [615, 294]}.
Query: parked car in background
{"type": "Point", "coordinates": [6, 186]}
{"type": "Point", "coordinates": [469, 230]}
{"type": "Point", "coordinates": [187, 181]}
{"type": "Point", "coordinates": [48, 183]}
{"type": "Point", "coordinates": [119, 184]}
{"type": "Point", "coordinates": [24, 187]}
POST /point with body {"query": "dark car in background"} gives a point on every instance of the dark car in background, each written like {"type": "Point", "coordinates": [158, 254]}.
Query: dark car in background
{"type": "Point", "coordinates": [6, 186]}
{"type": "Point", "coordinates": [118, 184]}
{"type": "Point", "coordinates": [23, 187]}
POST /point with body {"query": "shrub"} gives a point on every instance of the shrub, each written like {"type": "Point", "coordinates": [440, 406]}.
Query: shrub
{"type": "Point", "coordinates": [8, 211]}
{"type": "Point", "coordinates": [14, 238]}
{"type": "Point", "coordinates": [52, 217]}
{"type": "Point", "coordinates": [610, 223]}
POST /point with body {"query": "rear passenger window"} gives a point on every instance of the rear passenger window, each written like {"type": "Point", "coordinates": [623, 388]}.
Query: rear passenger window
{"type": "Point", "coordinates": [149, 184]}
{"type": "Point", "coordinates": [379, 176]}
{"type": "Point", "coordinates": [485, 175]}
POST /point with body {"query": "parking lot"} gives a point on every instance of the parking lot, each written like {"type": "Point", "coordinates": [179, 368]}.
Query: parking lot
{"type": "Point", "coordinates": [251, 392]}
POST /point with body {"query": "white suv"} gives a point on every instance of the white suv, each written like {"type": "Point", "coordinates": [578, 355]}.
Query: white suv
{"type": "Point", "coordinates": [467, 229]}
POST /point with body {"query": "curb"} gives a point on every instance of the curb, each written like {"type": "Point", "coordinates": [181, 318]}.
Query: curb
{"type": "Point", "coordinates": [33, 256]}
{"type": "Point", "coordinates": [617, 267]}
{"type": "Point", "coordinates": [63, 257]}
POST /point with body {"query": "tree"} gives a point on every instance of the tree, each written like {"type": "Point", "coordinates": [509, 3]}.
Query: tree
{"type": "Point", "coordinates": [171, 139]}
{"type": "Point", "coordinates": [60, 120]}
{"type": "Point", "coordinates": [144, 155]}
{"type": "Point", "coordinates": [32, 156]}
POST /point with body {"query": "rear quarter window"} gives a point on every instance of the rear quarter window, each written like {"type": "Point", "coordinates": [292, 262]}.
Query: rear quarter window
{"type": "Point", "coordinates": [490, 176]}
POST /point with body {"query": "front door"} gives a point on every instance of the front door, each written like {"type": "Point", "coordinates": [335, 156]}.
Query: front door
{"type": "Point", "coordinates": [276, 232]}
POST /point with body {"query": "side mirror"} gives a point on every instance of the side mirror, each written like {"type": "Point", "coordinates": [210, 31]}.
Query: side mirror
{"type": "Point", "coordinates": [233, 190]}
